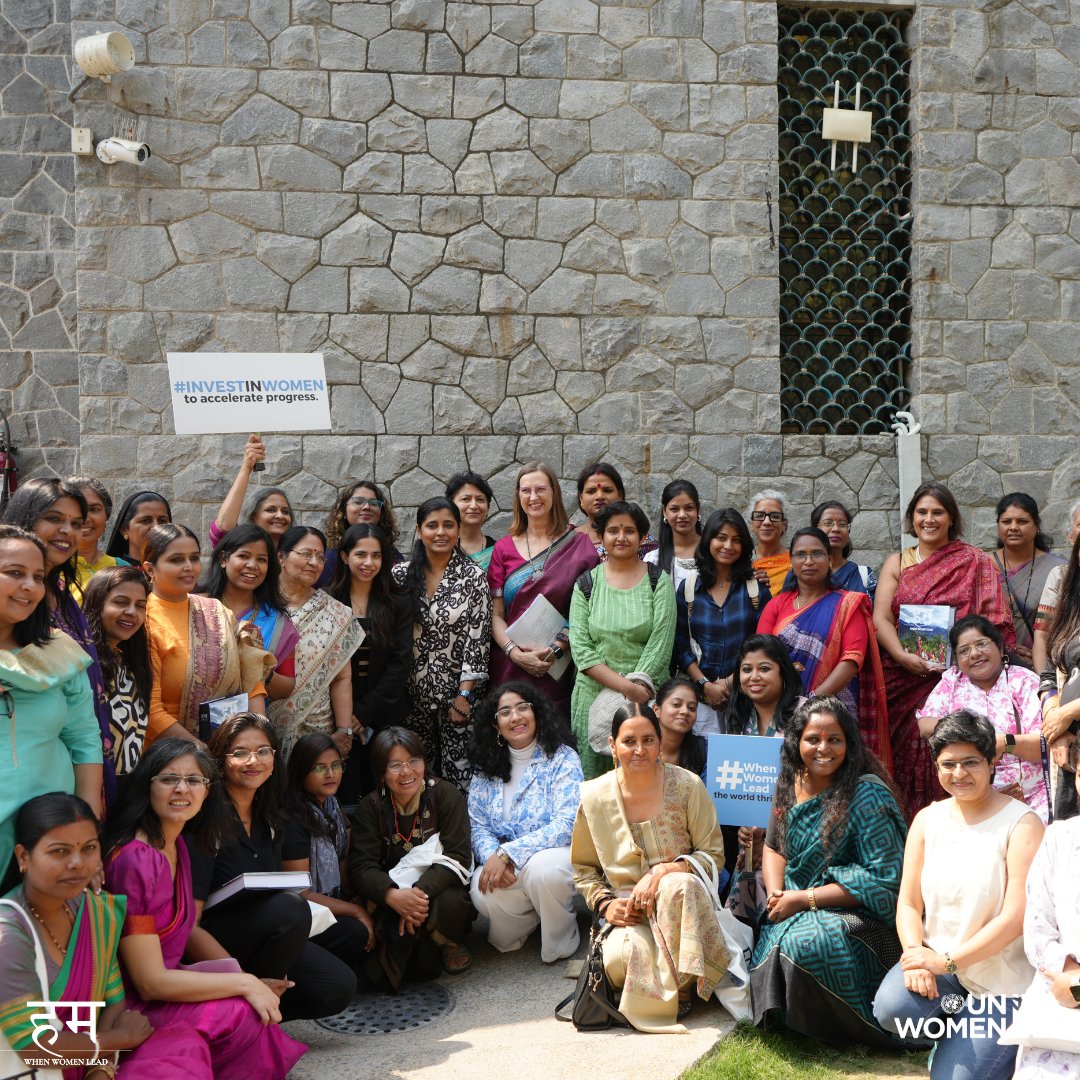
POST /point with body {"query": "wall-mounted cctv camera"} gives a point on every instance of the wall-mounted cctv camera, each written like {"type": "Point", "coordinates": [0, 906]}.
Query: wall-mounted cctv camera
{"type": "Point", "coordinates": [113, 150]}
{"type": "Point", "coordinates": [103, 55]}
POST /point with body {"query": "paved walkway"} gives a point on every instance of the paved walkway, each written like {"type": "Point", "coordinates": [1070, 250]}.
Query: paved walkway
{"type": "Point", "coordinates": [502, 1025]}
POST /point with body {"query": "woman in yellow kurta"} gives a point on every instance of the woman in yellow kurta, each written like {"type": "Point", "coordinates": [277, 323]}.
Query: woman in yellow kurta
{"type": "Point", "coordinates": [637, 831]}
{"type": "Point", "coordinates": [197, 650]}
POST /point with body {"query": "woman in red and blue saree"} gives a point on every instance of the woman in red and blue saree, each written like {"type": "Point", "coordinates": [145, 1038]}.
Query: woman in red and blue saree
{"type": "Point", "coordinates": [235, 1013]}
{"type": "Point", "coordinates": [832, 863]}
{"type": "Point", "coordinates": [939, 569]}
{"type": "Point", "coordinates": [54, 926]}
{"type": "Point", "coordinates": [829, 634]}
{"type": "Point", "coordinates": [540, 556]}
{"type": "Point", "coordinates": [244, 574]}
{"type": "Point", "coordinates": [54, 512]}
{"type": "Point", "coordinates": [834, 519]}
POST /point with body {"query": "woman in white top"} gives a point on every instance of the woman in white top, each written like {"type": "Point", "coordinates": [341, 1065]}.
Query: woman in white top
{"type": "Point", "coordinates": [680, 530]}
{"type": "Point", "coordinates": [960, 915]}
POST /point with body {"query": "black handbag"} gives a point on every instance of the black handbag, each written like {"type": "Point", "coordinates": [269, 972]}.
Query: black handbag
{"type": "Point", "coordinates": [593, 997]}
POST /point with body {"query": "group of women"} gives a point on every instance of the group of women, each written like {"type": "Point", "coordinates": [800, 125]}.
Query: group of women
{"type": "Point", "coordinates": [245, 699]}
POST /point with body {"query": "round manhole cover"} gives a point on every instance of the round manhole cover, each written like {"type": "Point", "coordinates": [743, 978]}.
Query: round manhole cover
{"type": "Point", "coordinates": [384, 1014]}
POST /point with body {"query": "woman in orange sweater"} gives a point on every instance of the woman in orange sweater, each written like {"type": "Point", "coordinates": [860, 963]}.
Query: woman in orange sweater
{"type": "Point", "coordinates": [198, 652]}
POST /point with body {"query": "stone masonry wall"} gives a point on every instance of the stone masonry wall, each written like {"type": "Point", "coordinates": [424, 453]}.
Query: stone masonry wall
{"type": "Point", "coordinates": [39, 366]}
{"type": "Point", "coordinates": [531, 230]}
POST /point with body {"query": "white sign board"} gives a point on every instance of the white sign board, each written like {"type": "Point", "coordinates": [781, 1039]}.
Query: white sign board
{"type": "Point", "coordinates": [223, 393]}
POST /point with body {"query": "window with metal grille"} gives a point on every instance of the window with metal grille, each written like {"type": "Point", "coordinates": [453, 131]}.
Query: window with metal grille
{"type": "Point", "coordinates": [845, 258]}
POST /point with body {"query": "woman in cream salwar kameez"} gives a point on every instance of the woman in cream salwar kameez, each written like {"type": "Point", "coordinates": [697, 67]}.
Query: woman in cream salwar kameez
{"type": "Point", "coordinates": [637, 830]}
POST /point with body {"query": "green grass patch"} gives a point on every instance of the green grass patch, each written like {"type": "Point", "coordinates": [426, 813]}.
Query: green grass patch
{"type": "Point", "coordinates": [748, 1053]}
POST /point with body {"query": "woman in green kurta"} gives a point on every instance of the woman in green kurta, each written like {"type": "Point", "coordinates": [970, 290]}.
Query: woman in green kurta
{"type": "Point", "coordinates": [51, 740]}
{"type": "Point", "coordinates": [833, 857]}
{"type": "Point", "coordinates": [624, 623]}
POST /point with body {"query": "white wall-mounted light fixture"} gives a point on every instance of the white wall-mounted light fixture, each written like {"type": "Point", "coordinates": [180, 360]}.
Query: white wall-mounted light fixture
{"type": "Point", "coordinates": [846, 125]}
{"type": "Point", "coordinates": [101, 56]}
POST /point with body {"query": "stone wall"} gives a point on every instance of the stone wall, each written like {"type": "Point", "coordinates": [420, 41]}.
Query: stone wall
{"type": "Point", "coordinates": [533, 230]}
{"type": "Point", "coordinates": [39, 366]}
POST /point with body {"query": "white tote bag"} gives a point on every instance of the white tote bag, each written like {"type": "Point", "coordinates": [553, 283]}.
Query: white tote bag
{"type": "Point", "coordinates": [415, 861]}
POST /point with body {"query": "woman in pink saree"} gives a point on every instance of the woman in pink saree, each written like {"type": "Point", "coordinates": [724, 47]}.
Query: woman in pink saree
{"type": "Point", "coordinates": [939, 569]}
{"type": "Point", "coordinates": [237, 1014]}
{"type": "Point", "coordinates": [540, 556]}
{"type": "Point", "coordinates": [58, 943]}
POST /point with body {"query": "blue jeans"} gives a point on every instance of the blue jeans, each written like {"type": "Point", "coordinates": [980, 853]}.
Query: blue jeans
{"type": "Point", "coordinates": [956, 1056]}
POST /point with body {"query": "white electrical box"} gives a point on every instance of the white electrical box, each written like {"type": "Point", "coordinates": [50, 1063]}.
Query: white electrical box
{"type": "Point", "coordinates": [82, 141]}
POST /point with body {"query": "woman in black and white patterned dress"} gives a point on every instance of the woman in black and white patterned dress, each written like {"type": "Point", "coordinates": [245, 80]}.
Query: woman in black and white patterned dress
{"type": "Point", "coordinates": [451, 638]}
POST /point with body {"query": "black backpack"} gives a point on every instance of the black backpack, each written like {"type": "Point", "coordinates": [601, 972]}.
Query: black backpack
{"type": "Point", "coordinates": [584, 583]}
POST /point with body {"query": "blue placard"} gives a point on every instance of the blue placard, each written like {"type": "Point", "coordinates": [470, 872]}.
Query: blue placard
{"type": "Point", "coordinates": [741, 776]}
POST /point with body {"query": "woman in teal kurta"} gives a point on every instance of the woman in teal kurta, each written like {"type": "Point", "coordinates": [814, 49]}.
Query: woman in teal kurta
{"type": "Point", "coordinates": [622, 620]}
{"type": "Point", "coordinates": [50, 739]}
{"type": "Point", "coordinates": [834, 852]}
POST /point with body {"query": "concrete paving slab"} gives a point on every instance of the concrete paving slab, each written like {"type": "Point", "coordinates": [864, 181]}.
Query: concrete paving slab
{"type": "Point", "coordinates": [503, 1023]}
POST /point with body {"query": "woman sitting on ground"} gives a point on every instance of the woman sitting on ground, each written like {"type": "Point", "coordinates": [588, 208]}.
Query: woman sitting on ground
{"type": "Point", "coordinates": [676, 708]}
{"type": "Point", "coordinates": [522, 802]}
{"type": "Point", "coordinates": [115, 608]}
{"type": "Point", "coordinates": [638, 832]}
{"type": "Point", "coordinates": [148, 862]}
{"type": "Point", "coordinates": [317, 840]}
{"type": "Point", "coordinates": [422, 910]}
{"type": "Point", "coordinates": [269, 932]}
{"type": "Point", "coordinates": [54, 913]}
{"type": "Point", "coordinates": [983, 681]}
{"type": "Point", "coordinates": [960, 916]}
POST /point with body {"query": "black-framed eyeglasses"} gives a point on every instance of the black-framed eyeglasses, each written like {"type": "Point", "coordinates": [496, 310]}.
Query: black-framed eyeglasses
{"type": "Point", "coordinates": [775, 516]}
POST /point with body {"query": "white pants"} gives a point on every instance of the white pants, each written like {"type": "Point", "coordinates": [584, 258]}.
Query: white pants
{"type": "Point", "coordinates": [543, 896]}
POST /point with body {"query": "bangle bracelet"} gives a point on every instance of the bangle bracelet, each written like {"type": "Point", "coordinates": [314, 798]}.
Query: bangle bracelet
{"type": "Point", "coordinates": [510, 646]}
{"type": "Point", "coordinates": [811, 898]}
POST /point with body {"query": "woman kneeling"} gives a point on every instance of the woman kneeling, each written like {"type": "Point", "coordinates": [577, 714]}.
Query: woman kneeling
{"type": "Point", "coordinates": [639, 831]}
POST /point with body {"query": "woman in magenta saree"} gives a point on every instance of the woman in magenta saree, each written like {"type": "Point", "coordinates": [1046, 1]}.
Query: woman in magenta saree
{"type": "Point", "coordinates": [540, 556]}
{"type": "Point", "coordinates": [940, 569]}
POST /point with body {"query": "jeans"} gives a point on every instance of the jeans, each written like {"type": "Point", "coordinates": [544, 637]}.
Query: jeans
{"type": "Point", "coordinates": [957, 1056]}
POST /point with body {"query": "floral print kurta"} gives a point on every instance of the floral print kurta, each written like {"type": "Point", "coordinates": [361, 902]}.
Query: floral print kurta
{"type": "Point", "coordinates": [451, 644]}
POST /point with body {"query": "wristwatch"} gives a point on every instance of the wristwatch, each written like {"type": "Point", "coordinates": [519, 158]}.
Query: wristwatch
{"type": "Point", "coordinates": [557, 651]}
{"type": "Point", "coordinates": [950, 965]}
{"type": "Point", "coordinates": [702, 682]}
{"type": "Point", "coordinates": [1075, 991]}
{"type": "Point", "coordinates": [1010, 739]}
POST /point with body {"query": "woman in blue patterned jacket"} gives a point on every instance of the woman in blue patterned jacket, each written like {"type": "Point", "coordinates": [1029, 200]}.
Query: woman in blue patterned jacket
{"type": "Point", "coordinates": [522, 803]}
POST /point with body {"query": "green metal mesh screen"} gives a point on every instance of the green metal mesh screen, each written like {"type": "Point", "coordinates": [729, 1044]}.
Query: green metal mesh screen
{"type": "Point", "coordinates": [845, 237]}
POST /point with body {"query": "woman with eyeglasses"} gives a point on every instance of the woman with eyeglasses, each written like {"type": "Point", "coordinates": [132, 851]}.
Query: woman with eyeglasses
{"type": "Point", "coordinates": [829, 634]}
{"type": "Point", "coordinates": [834, 520]}
{"type": "Point", "coordinates": [317, 839]}
{"type": "Point", "coordinates": [329, 635]}
{"type": "Point", "coordinates": [451, 638]}
{"type": "Point", "coordinates": [410, 855]}
{"type": "Point", "coordinates": [198, 652]}
{"type": "Point", "coordinates": [363, 503]}
{"type": "Point", "coordinates": [960, 914]}
{"type": "Point", "coordinates": [175, 969]}
{"type": "Point", "coordinates": [522, 802]}
{"type": "Point", "coordinates": [52, 741]}
{"type": "Point", "coordinates": [267, 930]}
{"type": "Point", "coordinates": [983, 680]}
{"type": "Point", "coordinates": [99, 507]}
{"type": "Point", "coordinates": [767, 516]}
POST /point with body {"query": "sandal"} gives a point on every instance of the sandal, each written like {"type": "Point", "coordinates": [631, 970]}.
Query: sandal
{"type": "Point", "coordinates": [455, 959]}
{"type": "Point", "coordinates": [685, 1005]}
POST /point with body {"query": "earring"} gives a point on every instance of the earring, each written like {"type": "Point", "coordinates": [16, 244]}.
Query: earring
{"type": "Point", "coordinates": [499, 740]}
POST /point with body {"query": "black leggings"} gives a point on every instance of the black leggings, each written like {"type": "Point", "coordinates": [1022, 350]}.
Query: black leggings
{"type": "Point", "coordinates": [268, 936]}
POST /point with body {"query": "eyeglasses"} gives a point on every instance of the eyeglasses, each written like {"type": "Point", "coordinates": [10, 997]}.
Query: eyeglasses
{"type": "Point", "coordinates": [174, 780]}
{"type": "Point", "coordinates": [310, 556]}
{"type": "Point", "coordinates": [975, 646]}
{"type": "Point", "coordinates": [969, 764]}
{"type": "Point", "coordinates": [809, 556]}
{"type": "Point", "coordinates": [361, 503]}
{"type": "Point", "coordinates": [395, 767]}
{"type": "Point", "coordinates": [322, 770]}
{"type": "Point", "coordinates": [825, 526]}
{"type": "Point", "coordinates": [773, 515]}
{"type": "Point", "coordinates": [263, 754]}
{"type": "Point", "coordinates": [518, 709]}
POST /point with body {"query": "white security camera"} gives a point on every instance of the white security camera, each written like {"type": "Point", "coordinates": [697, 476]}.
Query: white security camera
{"type": "Point", "coordinates": [103, 55]}
{"type": "Point", "coordinates": [113, 150]}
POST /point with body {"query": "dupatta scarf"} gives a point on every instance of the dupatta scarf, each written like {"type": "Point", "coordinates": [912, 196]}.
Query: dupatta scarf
{"type": "Point", "coordinates": [276, 630]}
{"type": "Point", "coordinates": [965, 579]}
{"type": "Point", "coordinates": [814, 637]}
{"type": "Point", "coordinates": [550, 574]}
{"type": "Point", "coordinates": [222, 658]}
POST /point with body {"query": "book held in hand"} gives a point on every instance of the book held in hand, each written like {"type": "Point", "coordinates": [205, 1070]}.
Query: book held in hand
{"type": "Point", "coordinates": [291, 880]}
{"type": "Point", "coordinates": [213, 713]}
{"type": "Point", "coordinates": [923, 629]}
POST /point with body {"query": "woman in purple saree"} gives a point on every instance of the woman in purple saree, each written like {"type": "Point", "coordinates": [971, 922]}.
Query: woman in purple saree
{"type": "Point", "coordinates": [540, 556]}
{"type": "Point", "coordinates": [236, 1013]}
